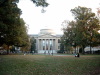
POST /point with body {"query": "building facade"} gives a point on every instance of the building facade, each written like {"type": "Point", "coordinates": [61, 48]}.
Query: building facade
{"type": "Point", "coordinates": [47, 41]}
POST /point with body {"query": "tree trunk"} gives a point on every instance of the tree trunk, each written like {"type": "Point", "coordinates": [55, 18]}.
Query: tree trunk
{"type": "Point", "coordinates": [7, 49]}
{"type": "Point", "coordinates": [90, 49]}
{"type": "Point", "coordinates": [83, 49]}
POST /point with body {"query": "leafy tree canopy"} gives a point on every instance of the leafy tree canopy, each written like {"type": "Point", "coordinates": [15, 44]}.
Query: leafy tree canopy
{"type": "Point", "coordinates": [84, 30]}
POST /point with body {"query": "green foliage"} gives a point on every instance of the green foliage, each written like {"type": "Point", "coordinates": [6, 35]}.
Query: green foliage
{"type": "Point", "coordinates": [42, 3]}
{"type": "Point", "coordinates": [12, 28]}
{"type": "Point", "coordinates": [84, 30]}
{"type": "Point", "coordinates": [33, 44]}
{"type": "Point", "coordinates": [61, 46]}
{"type": "Point", "coordinates": [22, 37]}
{"type": "Point", "coordinates": [9, 20]}
{"type": "Point", "coordinates": [69, 34]}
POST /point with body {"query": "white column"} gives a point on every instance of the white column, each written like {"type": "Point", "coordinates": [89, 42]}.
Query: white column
{"type": "Point", "coordinates": [48, 44]}
{"type": "Point", "coordinates": [38, 44]}
{"type": "Point", "coordinates": [52, 44]}
{"type": "Point", "coordinates": [56, 44]}
{"type": "Point", "coordinates": [45, 44]}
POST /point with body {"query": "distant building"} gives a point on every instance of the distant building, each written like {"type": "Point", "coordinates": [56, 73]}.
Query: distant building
{"type": "Point", "coordinates": [47, 41]}
{"type": "Point", "coordinates": [93, 49]}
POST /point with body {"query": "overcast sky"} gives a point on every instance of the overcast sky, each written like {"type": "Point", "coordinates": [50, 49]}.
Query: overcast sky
{"type": "Point", "coordinates": [56, 13]}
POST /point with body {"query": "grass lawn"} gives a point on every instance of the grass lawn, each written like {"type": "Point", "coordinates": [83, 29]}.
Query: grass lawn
{"type": "Point", "coordinates": [49, 65]}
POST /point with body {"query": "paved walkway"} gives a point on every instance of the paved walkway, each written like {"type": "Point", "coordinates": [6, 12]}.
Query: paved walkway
{"type": "Point", "coordinates": [63, 55]}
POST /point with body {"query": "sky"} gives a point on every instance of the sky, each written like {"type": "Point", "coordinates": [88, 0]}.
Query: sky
{"type": "Point", "coordinates": [56, 13]}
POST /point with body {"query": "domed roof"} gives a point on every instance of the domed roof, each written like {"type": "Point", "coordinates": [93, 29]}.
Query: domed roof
{"type": "Point", "coordinates": [47, 31]}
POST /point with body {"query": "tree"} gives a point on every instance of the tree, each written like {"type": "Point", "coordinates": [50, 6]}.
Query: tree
{"type": "Point", "coordinates": [70, 35]}
{"type": "Point", "coordinates": [33, 45]}
{"type": "Point", "coordinates": [87, 24]}
{"type": "Point", "coordinates": [9, 20]}
{"type": "Point", "coordinates": [12, 29]}
{"type": "Point", "coordinates": [61, 45]}
{"type": "Point", "coordinates": [21, 36]}
{"type": "Point", "coordinates": [84, 29]}
{"type": "Point", "coordinates": [42, 3]}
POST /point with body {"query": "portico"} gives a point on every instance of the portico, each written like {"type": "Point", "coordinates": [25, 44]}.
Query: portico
{"type": "Point", "coordinates": [47, 41]}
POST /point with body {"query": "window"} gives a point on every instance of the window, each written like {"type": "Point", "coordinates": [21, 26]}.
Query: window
{"type": "Point", "coordinates": [58, 40]}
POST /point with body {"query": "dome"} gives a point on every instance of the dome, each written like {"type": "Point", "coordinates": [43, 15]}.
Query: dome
{"type": "Point", "coordinates": [47, 31]}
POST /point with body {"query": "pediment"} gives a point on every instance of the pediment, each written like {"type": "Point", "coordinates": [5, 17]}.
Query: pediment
{"type": "Point", "coordinates": [47, 35]}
